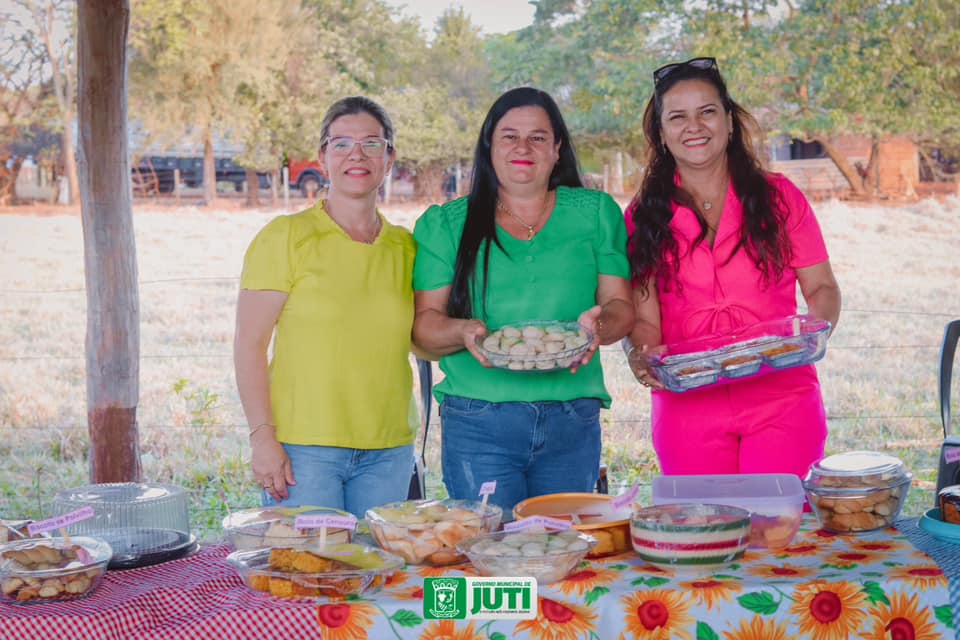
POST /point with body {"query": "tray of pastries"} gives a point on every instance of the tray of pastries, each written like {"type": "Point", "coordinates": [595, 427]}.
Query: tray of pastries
{"type": "Point", "coordinates": [753, 351]}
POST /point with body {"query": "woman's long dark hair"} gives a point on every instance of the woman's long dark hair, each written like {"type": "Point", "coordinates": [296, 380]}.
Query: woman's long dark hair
{"type": "Point", "coordinates": [654, 252]}
{"type": "Point", "coordinates": [480, 227]}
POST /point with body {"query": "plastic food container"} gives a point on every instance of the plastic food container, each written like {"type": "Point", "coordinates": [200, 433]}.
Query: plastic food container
{"type": "Point", "coordinates": [338, 570]}
{"type": "Point", "coordinates": [590, 513]}
{"type": "Point", "coordinates": [273, 527]}
{"type": "Point", "coordinates": [51, 569]}
{"type": "Point", "coordinates": [547, 556]}
{"type": "Point", "coordinates": [428, 531]}
{"type": "Point", "coordinates": [537, 345]}
{"type": "Point", "coordinates": [144, 523]}
{"type": "Point", "coordinates": [949, 500]}
{"type": "Point", "coordinates": [690, 535]}
{"type": "Point", "coordinates": [857, 491]}
{"type": "Point", "coordinates": [14, 530]}
{"type": "Point", "coordinates": [774, 500]}
{"type": "Point", "coordinates": [755, 350]}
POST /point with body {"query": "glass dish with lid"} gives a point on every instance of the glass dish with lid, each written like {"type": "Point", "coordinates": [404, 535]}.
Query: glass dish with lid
{"type": "Point", "coordinates": [144, 522]}
{"type": "Point", "coordinates": [274, 526]}
{"type": "Point", "coordinates": [857, 490]}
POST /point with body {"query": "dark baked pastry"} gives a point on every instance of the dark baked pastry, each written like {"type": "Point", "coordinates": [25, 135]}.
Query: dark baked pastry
{"type": "Point", "coordinates": [949, 499]}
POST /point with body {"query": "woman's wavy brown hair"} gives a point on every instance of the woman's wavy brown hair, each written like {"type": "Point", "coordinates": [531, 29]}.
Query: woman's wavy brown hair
{"type": "Point", "coordinates": [653, 249]}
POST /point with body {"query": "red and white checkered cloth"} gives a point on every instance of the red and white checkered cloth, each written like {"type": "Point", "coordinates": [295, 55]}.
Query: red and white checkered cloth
{"type": "Point", "coordinates": [190, 599]}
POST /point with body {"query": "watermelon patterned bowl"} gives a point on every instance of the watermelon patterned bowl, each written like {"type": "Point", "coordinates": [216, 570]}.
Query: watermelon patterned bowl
{"type": "Point", "coordinates": [690, 535]}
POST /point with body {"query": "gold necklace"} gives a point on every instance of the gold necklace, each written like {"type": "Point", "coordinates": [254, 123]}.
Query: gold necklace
{"type": "Point", "coordinates": [531, 228]}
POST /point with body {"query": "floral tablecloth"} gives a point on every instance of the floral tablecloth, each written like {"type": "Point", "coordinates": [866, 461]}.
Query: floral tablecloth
{"type": "Point", "coordinates": [822, 587]}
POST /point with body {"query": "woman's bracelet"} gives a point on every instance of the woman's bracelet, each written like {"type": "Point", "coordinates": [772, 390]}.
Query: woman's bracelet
{"type": "Point", "coordinates": [260, 426]}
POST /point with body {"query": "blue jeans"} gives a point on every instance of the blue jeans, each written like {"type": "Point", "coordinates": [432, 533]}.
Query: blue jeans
{"type": "Point", "coordinates": [529, 448]}
{"type": "Point", "coordinates": [350, 479]}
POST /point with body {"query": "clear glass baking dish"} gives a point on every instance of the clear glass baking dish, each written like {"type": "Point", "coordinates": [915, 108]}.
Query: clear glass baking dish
{"type": "Point", "coordinates": [756, 350]}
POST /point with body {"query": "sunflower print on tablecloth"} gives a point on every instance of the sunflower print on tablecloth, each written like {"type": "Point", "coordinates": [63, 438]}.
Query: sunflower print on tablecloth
{"type": "Point", "coordinates": [345, 620]}
{"type": "Point", "coordinates": [558, 620]}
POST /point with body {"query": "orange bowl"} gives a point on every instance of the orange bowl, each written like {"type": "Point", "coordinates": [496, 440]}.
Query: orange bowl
{"type": "Point", "coordinates": [591, 513]}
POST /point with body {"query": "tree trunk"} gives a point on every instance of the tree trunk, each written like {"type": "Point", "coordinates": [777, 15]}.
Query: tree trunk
{"type": "Point", "coordinates": [843, 164]}
{"type": "Point", "coordinates": [110, 259]}
{"type": "Point", "coordinates": [8, 179]}
{"type": "Point", "coordinates": [209, 170]}
{"type": "Point", "coordinates": [253, 188]}
{"type": "Point", "coordinates": [70, 162]}
{"type": "Point", "coordinates": [429, 182]}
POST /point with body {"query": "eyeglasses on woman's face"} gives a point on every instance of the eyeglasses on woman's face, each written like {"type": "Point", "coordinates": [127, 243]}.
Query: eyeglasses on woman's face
{"type": "Point", "coordinates": [705, 64]}
{"type": "Point", "coordinates": [371, 146]}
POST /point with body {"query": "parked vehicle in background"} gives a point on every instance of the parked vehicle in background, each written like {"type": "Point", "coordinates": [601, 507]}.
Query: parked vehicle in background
{"type": "Point", "coordinates": [152, 175]}
{"type": "Point", "coordinates": [155, 174]}
{"type": "Point", "coordinates": [305, 175]}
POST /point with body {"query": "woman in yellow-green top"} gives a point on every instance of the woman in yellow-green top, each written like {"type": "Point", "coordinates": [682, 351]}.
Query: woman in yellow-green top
{"type": "Point", "coordinates": [331, 416]}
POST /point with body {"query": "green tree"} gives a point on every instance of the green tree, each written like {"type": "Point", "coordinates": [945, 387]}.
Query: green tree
{"type": "Point", "coordinates": [53, 25]}
{"type": "Point", "coordinates": [438, 114]}
{"type": "Point", "coordinates": [25, 101]}
{"type": "Point", "coordinates": [195, 63]}
{"type": "Point", "coordinates": [820, 70]}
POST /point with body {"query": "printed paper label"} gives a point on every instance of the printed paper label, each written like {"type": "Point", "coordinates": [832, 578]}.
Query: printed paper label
{"type": "Point", "coordinates": [951, 454]}
{"type": "Point", "coordinates": [546, 522]}
{"type": "Point", "coordinates": [626, 499]}
{"type": "Point", "coordinates": [61, 521]}
{"type": "Point", "coordinates": [488, 487]}
{"type": "Point", "coordinates": [330, 522]}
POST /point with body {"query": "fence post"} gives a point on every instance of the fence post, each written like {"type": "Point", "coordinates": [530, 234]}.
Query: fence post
{"type": "Point", "coordinates": [286, 187]}
{"type": "Point", "coordinates": [176, 185]}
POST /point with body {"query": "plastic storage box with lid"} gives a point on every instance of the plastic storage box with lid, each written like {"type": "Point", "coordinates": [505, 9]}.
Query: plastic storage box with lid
{"type": "Point", "coordinates": [756, 350]}
{"type": "Point", "coordinates": [774, 500]}
{"type": "Point", "coordinates": [857, 491]}
{"type": "Point", "coordinates": [144, 523]}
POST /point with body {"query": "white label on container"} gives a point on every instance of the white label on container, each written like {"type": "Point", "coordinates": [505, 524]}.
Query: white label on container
{"type": "Point", "coordinates": [951, 454]}
{"type": "Point", "coordinates": [546, 522]}
{"type": "Point", "coordinates": [626, 498]}
{"type": "Point", "coordinates": [330, 522]}
{"type": "Point", "coordinates": [61, 521]}
{"type": "Point", "coordinates": [488, 487]}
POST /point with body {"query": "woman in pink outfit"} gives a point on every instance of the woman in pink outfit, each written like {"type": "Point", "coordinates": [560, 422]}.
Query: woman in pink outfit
{"type": "Point", "coordinates": [717, 244]}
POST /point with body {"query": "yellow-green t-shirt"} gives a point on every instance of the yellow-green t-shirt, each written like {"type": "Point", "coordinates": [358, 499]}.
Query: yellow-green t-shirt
{"type": "Point", "coordinates": [340, 374]}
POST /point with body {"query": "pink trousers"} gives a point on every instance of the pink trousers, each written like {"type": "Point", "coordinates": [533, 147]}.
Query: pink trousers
{"type": "Point", "coordinates": [769, 424]}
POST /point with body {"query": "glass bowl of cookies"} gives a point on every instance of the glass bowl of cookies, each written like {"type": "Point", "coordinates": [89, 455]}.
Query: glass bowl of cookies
{"type": "Point", "coordinates": [38, 570]}
{"type": "Point", "coordinates": [857, 491]}
{"type": "Point", "coordinates": [536, 345]}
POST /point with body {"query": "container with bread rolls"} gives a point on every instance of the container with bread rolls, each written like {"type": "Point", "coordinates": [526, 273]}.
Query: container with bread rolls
{"type": "Point", "coordinates": [38, 570]}
{"type": "Point", "coordinates": [857, 491]}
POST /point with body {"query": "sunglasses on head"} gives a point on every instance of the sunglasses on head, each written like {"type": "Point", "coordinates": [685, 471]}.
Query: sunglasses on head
{"type": "Point", "coordinates": [706, 64]}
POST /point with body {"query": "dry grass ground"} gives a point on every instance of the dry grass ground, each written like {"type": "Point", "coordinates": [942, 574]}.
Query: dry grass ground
{"type": "Point", "coordinates": [897, 266]}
